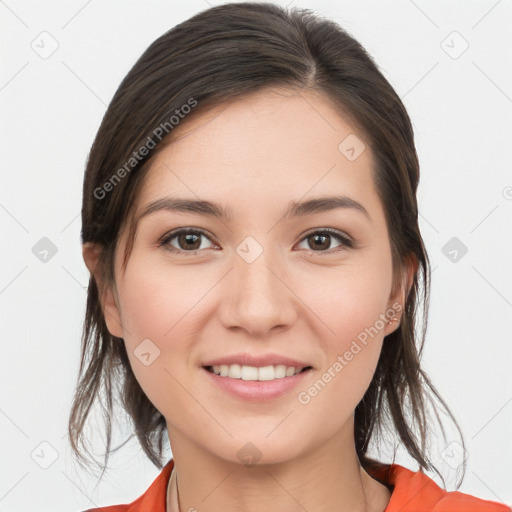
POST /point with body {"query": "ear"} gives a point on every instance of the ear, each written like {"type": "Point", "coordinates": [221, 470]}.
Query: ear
{"type": "Point", "coordinates": [109, 304]}
{"type": "Point", "coordinates": [398, 297]}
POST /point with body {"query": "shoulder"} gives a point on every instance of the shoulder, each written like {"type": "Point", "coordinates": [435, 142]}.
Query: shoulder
{"type": "Point", "coordinates": [111, 508]}
{"type": "Point", "coordinates": [152, 500]}
{"type": "Point", "coordinates": [413, 491]}
{"type": "Point", "coordinates": [455, 501]}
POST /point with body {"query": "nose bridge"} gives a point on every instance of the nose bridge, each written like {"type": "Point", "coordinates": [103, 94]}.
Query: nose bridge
{"type": "Point", "coordinates": [258, 300]}
{"type": "Point", "coordinates": [258, 285]}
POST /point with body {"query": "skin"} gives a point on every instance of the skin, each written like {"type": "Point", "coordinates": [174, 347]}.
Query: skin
{"type": "Point", "coordinates": [254, 156]}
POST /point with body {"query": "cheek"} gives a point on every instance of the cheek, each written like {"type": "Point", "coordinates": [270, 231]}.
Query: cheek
{"type": "Point", "coordinates": [156, 299]}
{"type": "Point", "coordinates": [350, 299]}
{"type": "Point", "coordinates": [351, 304]}
{"type": "Point", "coordinates": [158, 315]}
{"type": "Point", "coordinates": [351, 353]}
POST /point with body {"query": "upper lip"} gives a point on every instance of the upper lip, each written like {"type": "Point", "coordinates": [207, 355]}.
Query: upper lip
{"type": "Point", "coordinates": [256, 360]}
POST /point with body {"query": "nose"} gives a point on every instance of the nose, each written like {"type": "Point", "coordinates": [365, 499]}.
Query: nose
{"type": "Point", "coordinates": [258, 296]}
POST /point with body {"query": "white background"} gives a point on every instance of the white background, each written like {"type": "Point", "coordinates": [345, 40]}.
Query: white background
{"type": "Point", "coordinates": [51, 108]}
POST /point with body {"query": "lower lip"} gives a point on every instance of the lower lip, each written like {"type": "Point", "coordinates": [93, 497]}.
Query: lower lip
{"type": "Point", "coordinates": [257, 390]}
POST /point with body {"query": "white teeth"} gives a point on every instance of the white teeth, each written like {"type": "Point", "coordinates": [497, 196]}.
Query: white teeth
{"type": "Point", "coordinates": [235, 371]}
{"type": "Point", "coordinates": [290, 370]}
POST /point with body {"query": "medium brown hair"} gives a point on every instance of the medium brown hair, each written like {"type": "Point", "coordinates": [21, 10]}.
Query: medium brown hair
{"type": "Point", "coordinates": [218, 56]}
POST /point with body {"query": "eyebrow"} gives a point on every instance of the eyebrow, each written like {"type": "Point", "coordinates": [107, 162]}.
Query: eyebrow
{"type": "Point", "coordinates": [294, 209]}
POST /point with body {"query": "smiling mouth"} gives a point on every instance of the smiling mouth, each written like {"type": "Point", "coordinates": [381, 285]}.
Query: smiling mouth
{"type": "Point", "coordinates": [253, 373]}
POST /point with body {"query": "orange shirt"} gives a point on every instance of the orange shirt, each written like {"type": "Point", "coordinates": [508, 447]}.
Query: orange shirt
{"type": "Point", "coordinates": [411, 492]}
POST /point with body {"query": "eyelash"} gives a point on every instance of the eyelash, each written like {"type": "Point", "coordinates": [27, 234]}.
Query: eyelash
{"type": "Point", "coordinates": [164, 241]}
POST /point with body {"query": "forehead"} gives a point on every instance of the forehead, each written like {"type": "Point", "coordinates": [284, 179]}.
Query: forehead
{"type": "Point", "coordinates": [268, 147]}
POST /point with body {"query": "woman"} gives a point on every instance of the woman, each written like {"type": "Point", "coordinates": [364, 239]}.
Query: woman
{"type": "Point", "coordinates": [251, 228]}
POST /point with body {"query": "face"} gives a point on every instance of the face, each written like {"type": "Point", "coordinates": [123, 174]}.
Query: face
{"type": "Point", "coordinates": [314, 285]}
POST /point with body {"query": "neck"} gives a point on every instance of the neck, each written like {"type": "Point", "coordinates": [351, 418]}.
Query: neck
{"type": "Point", "coordinates": [319, 481]}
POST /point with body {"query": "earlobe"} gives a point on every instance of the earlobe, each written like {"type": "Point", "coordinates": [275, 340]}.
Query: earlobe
{"type": "Point", "coordinates": [402, 292]}
{"type": "Point", "coordinates": [112, 314]}
{"type": "Point", "coordinates": [91, 253]}
{"type": "Point", "coordinates": [411, 267]}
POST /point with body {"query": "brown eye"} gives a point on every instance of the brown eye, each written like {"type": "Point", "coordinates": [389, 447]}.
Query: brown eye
{"type": "Point", "coordinates": [321, 241]}
{"type": "Point", "coordinates": [189, 241]}
{"type": "Point", "coordinates": [185, 241]}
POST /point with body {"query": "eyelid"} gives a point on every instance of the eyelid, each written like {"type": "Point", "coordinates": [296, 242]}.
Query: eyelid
{"type": "Point", "coordinates": [164, 240]}
{"type": "Point", "coordinates": [347, 242]}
